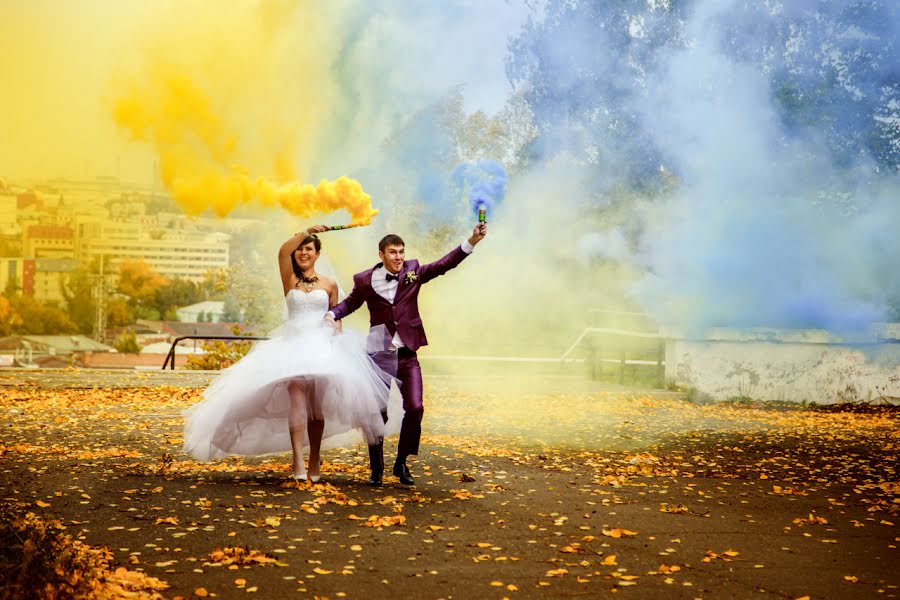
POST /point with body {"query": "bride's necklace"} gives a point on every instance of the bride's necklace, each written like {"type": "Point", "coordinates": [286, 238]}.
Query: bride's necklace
{"type": "Point", "coordinates": [308, 282]}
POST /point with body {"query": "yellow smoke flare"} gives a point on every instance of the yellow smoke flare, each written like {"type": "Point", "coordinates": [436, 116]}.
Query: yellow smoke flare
{"type": "Point", "coordinates": [305, 200]}
{"type": "Point", "coordinates": [230, 118]}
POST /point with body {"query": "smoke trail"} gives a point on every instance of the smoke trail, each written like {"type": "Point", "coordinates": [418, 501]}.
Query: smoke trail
{"type": "Point", "coordinates": [483, 182]}
{"type": "Point", "coordinates": [746, 151]}
{"type": "Point", "coordinates": [247, 95]}
{"type": "Point", "coordinates": [769, 225]}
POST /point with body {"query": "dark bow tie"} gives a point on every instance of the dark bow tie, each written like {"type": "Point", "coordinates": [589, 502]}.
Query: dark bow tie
{"type": "Point", "coordinates": [392, 277]}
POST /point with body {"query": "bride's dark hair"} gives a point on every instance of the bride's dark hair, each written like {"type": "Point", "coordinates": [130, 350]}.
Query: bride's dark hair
{"type": "Point", "coordinates": [317, 244]}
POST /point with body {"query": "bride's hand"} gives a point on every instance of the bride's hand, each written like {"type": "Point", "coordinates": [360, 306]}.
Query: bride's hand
{"type": "Point", "coordinates": [338, 325]}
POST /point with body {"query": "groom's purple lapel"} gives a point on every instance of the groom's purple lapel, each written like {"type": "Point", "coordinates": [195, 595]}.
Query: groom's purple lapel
{"type": "Point", "coordinates": [401, 283]}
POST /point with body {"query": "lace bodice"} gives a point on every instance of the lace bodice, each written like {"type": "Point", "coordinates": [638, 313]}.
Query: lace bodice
{"type": "Point", "coordinates": [308, 308]}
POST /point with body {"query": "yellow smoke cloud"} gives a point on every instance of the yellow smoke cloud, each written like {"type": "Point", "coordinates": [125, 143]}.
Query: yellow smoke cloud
{"type": "Point", "coordinates": [232, 102]}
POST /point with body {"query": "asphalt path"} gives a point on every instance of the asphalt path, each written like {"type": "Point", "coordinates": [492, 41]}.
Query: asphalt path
{"type": "Point", "coordinates": [525, 489]}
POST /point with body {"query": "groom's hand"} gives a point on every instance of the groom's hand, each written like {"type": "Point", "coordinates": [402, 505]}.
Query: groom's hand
{"type": "Point", "coordinates": [478, 233]}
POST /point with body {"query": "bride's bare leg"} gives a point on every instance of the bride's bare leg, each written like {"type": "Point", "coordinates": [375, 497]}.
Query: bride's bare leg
{"type": "Point", "coordinates": [297, 422]}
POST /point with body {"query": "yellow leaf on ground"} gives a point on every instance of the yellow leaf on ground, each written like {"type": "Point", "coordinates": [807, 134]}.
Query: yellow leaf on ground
{"type": "Point", "coordinates": [42, 504]}
{"type": "Point", "coordinates": [322, 571]}
{"type": "Point", "coordinates": [618, 532]}
{"type": "Point", "coordinates": [668, 569]}
{"type": "Point", "coordinates": [201, 592]}
{"type": "Point", "coordinates": [376, 521]}
{"type": "Point", "coordinates": [609, 561]}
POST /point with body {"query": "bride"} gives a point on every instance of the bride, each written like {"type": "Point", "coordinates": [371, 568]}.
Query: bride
{"type": "Point", "coordinates": [304, 384]}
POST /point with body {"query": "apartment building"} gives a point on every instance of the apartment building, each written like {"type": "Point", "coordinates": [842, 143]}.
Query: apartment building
{"type": "Point", "coordinates": [48, 241]}
{"type": "Point", "coordinates": [187, 256]}
{"type": "Point", "coordinates": [49, 276]}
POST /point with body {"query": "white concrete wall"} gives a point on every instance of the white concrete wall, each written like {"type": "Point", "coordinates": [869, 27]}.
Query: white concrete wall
{"type": "Point", "coordinates": [823, 371]}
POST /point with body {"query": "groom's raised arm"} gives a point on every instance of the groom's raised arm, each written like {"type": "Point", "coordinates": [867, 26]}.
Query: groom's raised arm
{"type": "Point", "coordinates": [437, 268]}
{"type": "Point", "coordinates": [353, 301]}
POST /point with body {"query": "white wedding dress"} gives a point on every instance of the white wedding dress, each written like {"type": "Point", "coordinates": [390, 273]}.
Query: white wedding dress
{"type": "Point", "coordinates": [245, 409]}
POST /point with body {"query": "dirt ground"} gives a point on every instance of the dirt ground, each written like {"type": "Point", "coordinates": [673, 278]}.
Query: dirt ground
{"type": "Point", "coordinates": [525, 489]}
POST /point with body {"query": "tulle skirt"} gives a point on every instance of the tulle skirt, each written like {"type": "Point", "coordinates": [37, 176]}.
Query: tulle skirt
{"type": "Point", "coordinates": [248, 409]}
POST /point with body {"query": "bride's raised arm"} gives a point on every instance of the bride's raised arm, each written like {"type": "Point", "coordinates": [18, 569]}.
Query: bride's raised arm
{"type": "Point", "coordinates": [287, 249]}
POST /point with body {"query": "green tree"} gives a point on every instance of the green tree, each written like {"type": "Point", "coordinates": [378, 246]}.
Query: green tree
{"type": "Point", "coordinates": [177, 293]}
{"type": "Point", "coordinates": [215, 283]}
{"type": "Point", "coordinates": [9, 318]}
{"type": "Point", "coordinates": [140, 283]}
{"type": "Point", "coordinates": [119, 313]}
{"type": "Point", "coordinates": [77, 292]}
{"type": "Point", "coordinates": [251, 285]}
{"type": "Point", "coordinates": [126, 342]}
{"type": "Point", "coordinates": [37, 318]}
{"type": "Point", "coordinates": [232, 311]}
{"type": "Point", "coordinates": [220, 354]}
{"type": "Point", "coordinates": [11, 289]}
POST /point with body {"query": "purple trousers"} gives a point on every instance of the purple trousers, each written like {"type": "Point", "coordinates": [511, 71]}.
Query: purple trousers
{"type": "Point", "coordinates": [404, 364]}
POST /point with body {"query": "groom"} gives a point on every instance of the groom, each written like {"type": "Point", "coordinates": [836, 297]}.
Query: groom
{"type": "Point", "coordinates": [391, 291]}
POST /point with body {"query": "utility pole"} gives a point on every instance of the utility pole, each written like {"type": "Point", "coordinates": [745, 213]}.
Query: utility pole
{"type": "Point", "coordinates": [99, 292]}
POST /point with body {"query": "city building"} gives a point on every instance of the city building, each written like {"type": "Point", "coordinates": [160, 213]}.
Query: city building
{"type": "Point", "coordinates": [50, 275]}
{"type": "Point", "coordinates": [183, 258]}
{"type": "Point", "coordinates": [172, 253]}
{"type": "Point", "coordinates": [47, 351]}
{"type": "Point", "coordinates": [48, 241]}
{"type": "Point", "coordinates": [211, 311]}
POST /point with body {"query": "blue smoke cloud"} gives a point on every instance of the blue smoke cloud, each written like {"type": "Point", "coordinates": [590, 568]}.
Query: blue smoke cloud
{"type": "Point", "coordinates": [779, 128]}
{"type": "Point", "coordinates": [483, 182]}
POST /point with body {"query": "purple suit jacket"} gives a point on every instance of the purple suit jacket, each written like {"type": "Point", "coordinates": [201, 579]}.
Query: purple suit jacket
{"type": "Point", "coordinates": [403, 315]}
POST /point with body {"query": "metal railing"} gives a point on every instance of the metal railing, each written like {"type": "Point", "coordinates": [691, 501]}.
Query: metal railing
{"type": "Point", "coordinates": [170, 357]}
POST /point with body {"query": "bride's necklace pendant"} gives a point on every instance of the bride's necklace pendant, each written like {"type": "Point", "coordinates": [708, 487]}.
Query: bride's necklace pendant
{"type": "Point", "coordinates": [308, 282]}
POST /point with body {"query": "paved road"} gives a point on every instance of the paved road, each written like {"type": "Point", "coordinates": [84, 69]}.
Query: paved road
{"type": "Point", "coordinates": [636, 494]}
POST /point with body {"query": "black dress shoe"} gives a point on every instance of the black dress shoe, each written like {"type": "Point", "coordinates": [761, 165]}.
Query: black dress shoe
{"type": "Point", "coordinates": [402, 471]}
{"type": "Point", "coordinates": [374, 479]}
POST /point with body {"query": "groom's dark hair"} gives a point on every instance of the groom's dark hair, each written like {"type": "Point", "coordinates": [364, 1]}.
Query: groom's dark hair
{"type": "Point", "coordinates": [390, 240]}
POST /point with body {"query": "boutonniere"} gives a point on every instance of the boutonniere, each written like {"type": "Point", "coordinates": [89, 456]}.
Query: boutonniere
{"type": "Point", "coordinates": [411, 276]}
